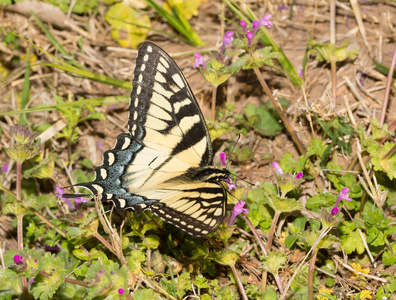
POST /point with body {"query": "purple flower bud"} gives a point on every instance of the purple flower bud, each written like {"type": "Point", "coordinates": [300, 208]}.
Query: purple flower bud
{"type": "Point", "coordinates": [227, 39]}
{"type": "Point", "coordinates": [223, 158]}
{"type": "Point", "coordinates": [249, 36]}
{"type": "Point", "coordinates": [300, 73]}
{"type": "Point", "coordinates": [282, 7]}
{"type": "Point", "coordinates": [278, 169]}
{"type": "Point", "coordinates": [334, 211]}
{"type": "Point", "coordinates": [18, 259]}
{"type": "Point", "coordinates": [238, 209]}
{"type": "Point", "coordinates": [199, 61]}
{"type": "Point", "coordinates": [4, 168]}
{"type": "Point", "coordinates": [243, 24]}
{"type": "Point", "coordinates": [299, 175]}
{"type": "Point", "coordinates": [100, 146]}
{"type": "Point", "coordinates": [120, 291]}
{"type": "Point", "coordinates": [255, 26]}
{"type": "Point", "coordinates": [265, 21]}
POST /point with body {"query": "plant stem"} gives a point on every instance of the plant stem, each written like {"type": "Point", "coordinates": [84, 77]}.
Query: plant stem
{"type": "Point", "coordinates": [255, 233]}
{"type": "Point", "coordinates": [106, 243]}
{"type": "Point", "coordinates": [288, 126]}
{"type": "Point", "coordinates": [214, 95]}
{"type": "Point", "coordinates": [238, 279]}
{"type": "Point", "coordinates": [272, 230]}
{"type": "Point", "coordinates": [387, 90]}
{"type": "Point", "coordinates": [20, 224]}
{"type": "Point", "coordinates": [311, 269]}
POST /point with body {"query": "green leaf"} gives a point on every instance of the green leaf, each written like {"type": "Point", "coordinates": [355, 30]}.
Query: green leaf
{"type": "Point", "coordinates": [352, 242]}
{"type": "Point", "coordinates": [135, 260]}
{"type": "Point", "coordinates": [262, 119]}
{"type": "Point", "coordinates": [389, 257]}
{"type": "Point", "coordinates": [379, 161]}
{"type": "Point", "coordinates": [150, 242]}
{"type": "Point", "coordinates": [45, 287]}
{"type": "Point", "coordinates": [145, 294]}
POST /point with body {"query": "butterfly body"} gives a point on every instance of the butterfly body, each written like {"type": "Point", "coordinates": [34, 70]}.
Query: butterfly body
{"type": "Point", "coordinates": [164, 162]}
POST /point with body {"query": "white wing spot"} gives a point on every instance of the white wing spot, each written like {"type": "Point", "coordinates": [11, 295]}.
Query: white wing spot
{"type": "Point", "coordinates": [126, 144]}
{"type": "Point", "coordinates": [135, 115]}
{"type": "Point", "coordinates": [109, 196]}
{"type": "Point", "coordinates": [178, 105]}
{"type": "Point", "coordinates": [164, 62]}
{"type": "Point", "coordinates": [138, 89]}
{"type": "Point", "coordinates": [161, 68]}
{"type": "Point", "coordinates": [133, 129]}
{"type": "Point", "coordinates": [178, 80]}
{"type": "Point", "coordinates": [143, 67]}
{"type": "Point", "coordinates": [149, 49]}
{"type": "Point", "coordinates": [140, 77]}
{"type": "Point", "coordinates": [183, 223]}
{"type": "Point", "coordinates": [111, 158]}
{"type": "Point", "coordinates": [98, 188]}
{"type": "Point", "coordinates": [103, 173]}
{"type": "Point", "coordinates": [146, 57]}
{"type": "Point", "coordinates": [122, 202]}
{"type": "Point", "coordinates": [205, 232]}
{"type": "Point", "coordinates": [160, 78]}
{"type": "Point", "coordinates": [136, 102]}
{"type": "Point", "coordinates": [198, 229]}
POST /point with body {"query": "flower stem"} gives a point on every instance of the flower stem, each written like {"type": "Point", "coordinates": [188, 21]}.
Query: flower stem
{"type": "Point", "coordinates": [238, 279]}
{"type": "Point", "coordinates": [288, 126]}
{"type": "Point", "coordinates": [272, 230]}
{"type": "Point", "coordinates": [311, 269]}
{"type": "Point", "coordinates": [255, 233]}
{"type": "Point", "coordinates": [214, 95]}
{"type": "Point", "coordinates": [20, 224]}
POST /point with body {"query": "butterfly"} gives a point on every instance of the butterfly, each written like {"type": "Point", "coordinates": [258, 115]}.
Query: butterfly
{"type": "Point", "coordinates": [163, 163]}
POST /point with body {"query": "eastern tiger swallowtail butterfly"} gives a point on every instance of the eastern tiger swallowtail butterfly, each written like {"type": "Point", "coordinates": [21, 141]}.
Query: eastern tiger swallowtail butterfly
{"type": "Point", "coordinates": [164, 162]}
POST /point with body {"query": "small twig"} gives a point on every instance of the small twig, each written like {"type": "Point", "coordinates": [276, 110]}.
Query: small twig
{"type": "Point", "coordinates": [365, 172]}
{"type": "Point", "coordinates": [346, 266]}
{"type": "Point", "coordinates": [288, 126]}
{"type": "Point", "coordinates": [387, 90]}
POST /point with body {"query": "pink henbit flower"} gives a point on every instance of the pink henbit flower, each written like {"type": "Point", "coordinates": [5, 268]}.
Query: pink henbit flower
{"type": "Point", "coordinates": [238, 209]}
{"type": "Point", "coordinates": [120, 291]}
{"type": "Point", "coordinates": [223, 158]}
{"type": "Point", "coordinates": [18, 259]}
{"type": "Point", "coordinates": [199, 61]}
{"type": "Point", "coordinates": [60, 193]}
{"type": "Point", "coordinates": [229, 183]}
{"type": "Point", "coordinates": [243, 25]}
{"type": "Point", "coordinates": [79, 200]}
{"type": "Point", "coordinates": [342, 196]}
{"type": "Point", "coordinates": [278, 169]}
{"type": "Point", "coordinates": [227, 39]}
{"type": "Point", "coordinates": [4, 168]}
{"type": "Point", "coordinates": [249, 36]}
{"type": "Point", "coordinates": [265, 21]}
{"type": "Point", "coordinates": [255, 26]}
